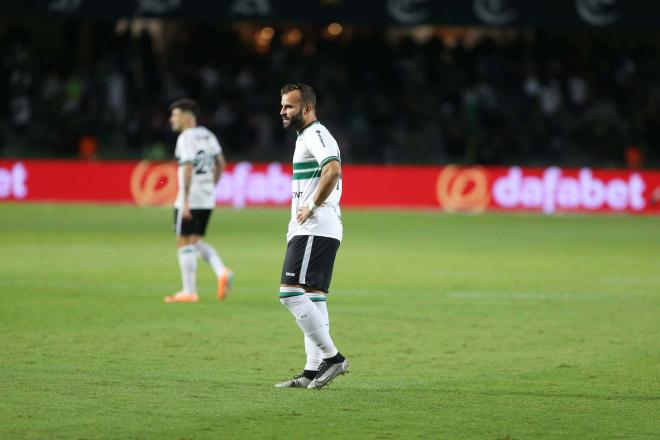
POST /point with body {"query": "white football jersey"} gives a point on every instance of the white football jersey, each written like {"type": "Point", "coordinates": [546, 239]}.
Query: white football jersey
{"type": "Point", "coordinates": [199, 147]}
{"type": "Point", "coordinates": [315, 147]}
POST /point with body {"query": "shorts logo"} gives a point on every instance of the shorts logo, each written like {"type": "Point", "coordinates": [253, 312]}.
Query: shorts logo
{"type": "Point", "coordinates": [463, 189]}
{"type": "Point", "coordinates": [290, 274]}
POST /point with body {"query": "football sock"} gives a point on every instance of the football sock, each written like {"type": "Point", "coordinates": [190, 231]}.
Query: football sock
{"type": "Point", "coordinates": [335, 359]}
{"type": "Point", "coordinates": [310, 374]}
{"type": "Point", "coordinates": [314, 355]}
{"type": "Point", "coordinates": [210, 255]}
{"type": "Point", "coordinates": [188, 266]}
{"type": "Point", "coordinates": [309, 319]}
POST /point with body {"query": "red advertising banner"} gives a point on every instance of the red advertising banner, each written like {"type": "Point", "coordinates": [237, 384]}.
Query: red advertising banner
{"type": "Point", "coordinates": [450, 188]}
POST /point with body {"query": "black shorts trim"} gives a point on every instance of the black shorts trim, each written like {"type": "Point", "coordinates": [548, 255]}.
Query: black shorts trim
{"type": "Point", "coordinates": [309, 261]}
{"type": "Point", "coordinates": [195, 226]}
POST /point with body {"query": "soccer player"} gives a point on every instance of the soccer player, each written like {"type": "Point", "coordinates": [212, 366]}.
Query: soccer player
{"type": "Point", "coordinates": [314, 235]}
{"type": "Point", "coordinates": [201, 164]}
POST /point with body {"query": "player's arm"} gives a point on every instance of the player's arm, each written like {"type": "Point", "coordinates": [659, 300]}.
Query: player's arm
{"type": "Point", "coordinates": [330, 174]}
{"type": "Point", "coordinates": [187, 180]}
{"type": "Point", "coordinates": [220, 164]}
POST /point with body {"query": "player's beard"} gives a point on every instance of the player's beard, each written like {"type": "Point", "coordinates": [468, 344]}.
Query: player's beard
{"type": "Point", "coordinates": [296, 122]}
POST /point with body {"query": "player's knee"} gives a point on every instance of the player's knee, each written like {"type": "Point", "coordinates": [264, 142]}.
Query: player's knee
{"type": "Point", "coordinates": [290, 294]}
{"type": "Point", "coordinates": [182, 240]}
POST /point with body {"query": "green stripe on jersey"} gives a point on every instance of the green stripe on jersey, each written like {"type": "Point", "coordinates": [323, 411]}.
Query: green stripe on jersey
{"type": "Point", "coordinates": [298, 175]}
{"type": "Point", "coordinates": [305, 165]}
{"type": "Point", "coordinates": [317, 298]}
{"type": "Point", "coordinates": [329, 159]}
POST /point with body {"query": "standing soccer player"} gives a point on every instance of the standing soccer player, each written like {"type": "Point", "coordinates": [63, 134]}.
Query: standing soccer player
{"type": "Point", "coordinates": [314, 235]}
{"type": "Point", "coordinates": [201, 163]}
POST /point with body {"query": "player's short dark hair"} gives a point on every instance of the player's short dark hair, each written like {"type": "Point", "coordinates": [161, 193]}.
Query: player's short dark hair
{"type": "Point", "coordinates": [307, 93]}
{"type": "Point", "coordinates": [186, 105]}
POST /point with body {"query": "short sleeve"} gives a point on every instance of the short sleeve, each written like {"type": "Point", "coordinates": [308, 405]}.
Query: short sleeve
{"type": "Point", "coordinates": [321, 145]}
{"type": "Point", "coordinates": [216, 148]}
{"type": "Point", "coordinates": [184, 151]}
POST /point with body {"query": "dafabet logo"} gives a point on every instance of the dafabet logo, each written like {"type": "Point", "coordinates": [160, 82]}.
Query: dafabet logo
{"type": "Point", "coordinates": [463, 189]}
{"type": "Point", "coordinates": [555, 191]}
{"type": "Point", "coordinates": [153, 184]}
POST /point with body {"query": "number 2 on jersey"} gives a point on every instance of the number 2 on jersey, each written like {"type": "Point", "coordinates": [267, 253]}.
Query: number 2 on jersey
{"type": "Point", "coordinates": [202, 163]}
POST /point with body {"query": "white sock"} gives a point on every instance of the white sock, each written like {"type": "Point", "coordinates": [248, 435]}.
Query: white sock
{"type": "Point", "coordinates": [188, 266]}
{"type": "Point", "coordinates": [309, 319]}
{"type": "Point", "coordinates": [209, 255]}
{"type": "Point", "coordinates": [314, 354]}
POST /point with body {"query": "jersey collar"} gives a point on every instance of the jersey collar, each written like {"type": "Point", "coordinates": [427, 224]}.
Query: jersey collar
{"type": "Point", "coordinates": [308, 125]}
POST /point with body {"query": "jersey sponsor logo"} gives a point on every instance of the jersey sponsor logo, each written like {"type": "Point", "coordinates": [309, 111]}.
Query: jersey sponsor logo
{"type": "Point", "coordinates": [290, 274]}
{"type": "Point", "coordinates": [463, 189]}
{"type": "Point", "coordinates": [296, 194]}
{"type": "Point", "coordinates": [318, 132]}
{"type": "Point", "coordinates": [13, 182]}
{"type": "Point", "coordinates": [153, 184]}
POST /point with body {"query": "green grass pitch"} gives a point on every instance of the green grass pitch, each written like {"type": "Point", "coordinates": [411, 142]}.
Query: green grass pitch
{"type": "Point", "coordinates": [457, 327]}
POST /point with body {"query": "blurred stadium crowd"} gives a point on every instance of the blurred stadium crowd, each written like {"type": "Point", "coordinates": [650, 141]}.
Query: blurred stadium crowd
{"type": "Point", "coordinates": [528, 97]}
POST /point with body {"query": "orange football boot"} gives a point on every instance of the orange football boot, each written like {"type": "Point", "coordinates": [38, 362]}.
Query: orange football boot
{"type": "Point", "coordinates": [224, 284]}
{"type": "Point", "coordinates": [181, 297]}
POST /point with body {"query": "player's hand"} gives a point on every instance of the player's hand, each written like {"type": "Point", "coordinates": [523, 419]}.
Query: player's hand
{"type": "Point", "coordinates": [303, 214]}
{"type": "Point", "coordinates": [185, 212]}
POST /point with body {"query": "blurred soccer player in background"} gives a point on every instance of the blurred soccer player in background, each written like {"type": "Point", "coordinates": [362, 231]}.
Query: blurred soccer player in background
{"type": "Point", "coordinates": [201, 164]}
{"type": "Point", "coordinates": [314, 234]}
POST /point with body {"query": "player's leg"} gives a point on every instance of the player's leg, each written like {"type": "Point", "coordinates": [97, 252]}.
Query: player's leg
{"type": "Point", "coordinates": [309, 262]}
{"type": "Point", "coordinates": [317, 282]}
{"type": "Point", "coordinates": [318, 343]}
{"type": "Point", "coordinates": [211, 256]}
{"type": "Point", "coordinates": [187, 256]}
{"type": "Point", "coordinates": [307, 315]}
{"type": "Point", "coordinates": [314, 354]}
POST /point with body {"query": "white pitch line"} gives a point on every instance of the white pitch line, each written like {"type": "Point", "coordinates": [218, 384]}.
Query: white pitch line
{"type": "Point", "coordinates": [452, 294]}
{"type": "Point", "coordinates": [490, 295]}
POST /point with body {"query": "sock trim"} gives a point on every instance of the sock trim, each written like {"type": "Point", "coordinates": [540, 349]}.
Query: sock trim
{"type": "Point", "coordinates": [288, 292]}
{"type": "Point", "coordinates": [310, 374]}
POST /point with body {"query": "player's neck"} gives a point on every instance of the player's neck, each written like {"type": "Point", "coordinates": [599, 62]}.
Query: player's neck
{"type": "Point", "coordinates": [307, 124]}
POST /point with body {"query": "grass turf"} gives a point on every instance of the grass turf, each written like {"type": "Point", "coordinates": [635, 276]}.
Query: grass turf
{"type": "Point", "coordinates": [490, 327]}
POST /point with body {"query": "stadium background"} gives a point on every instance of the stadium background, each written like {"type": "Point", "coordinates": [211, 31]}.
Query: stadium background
{"type": "Point", "coordinates": [489, 83]}
{"type": "Point", "coordinates": [573, 83]}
